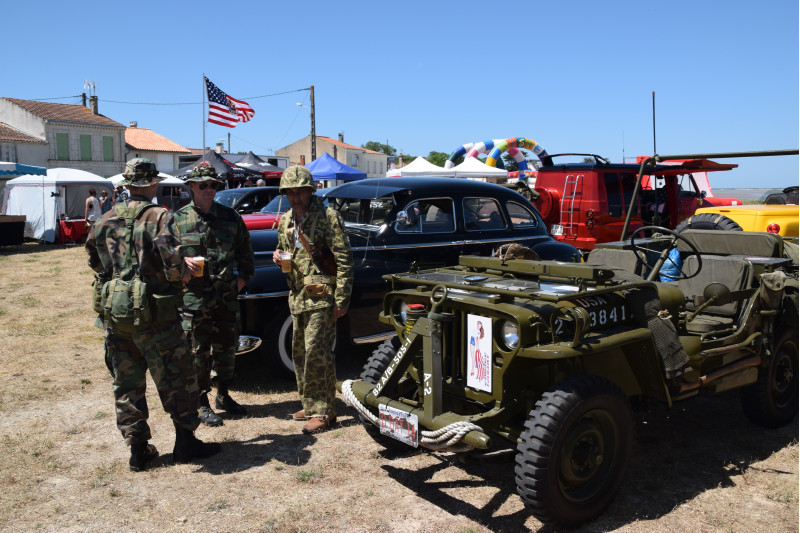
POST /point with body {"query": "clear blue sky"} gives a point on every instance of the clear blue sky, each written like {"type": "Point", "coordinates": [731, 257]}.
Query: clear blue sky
{"type": "Point", "coordinates": [574, 76]}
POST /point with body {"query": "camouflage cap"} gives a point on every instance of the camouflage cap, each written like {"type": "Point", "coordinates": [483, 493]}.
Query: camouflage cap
{"type": "Point", "coordinates": [140, 172]}
{"type": "Point", "coordinates": [202, 171]}
{"type": "Point", "coordinates": [296, 176]}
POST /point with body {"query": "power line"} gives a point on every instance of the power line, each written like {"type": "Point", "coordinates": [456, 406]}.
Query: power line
{"type": "Point", "coordinates": [200, 103]}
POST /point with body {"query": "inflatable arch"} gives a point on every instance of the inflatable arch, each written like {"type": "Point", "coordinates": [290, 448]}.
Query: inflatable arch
{"type": "Point", "coordinates": [494, 148]}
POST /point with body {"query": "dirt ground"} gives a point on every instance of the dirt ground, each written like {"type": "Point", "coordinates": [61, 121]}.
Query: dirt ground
{"type": "Point", "coordinates": [63, 466]}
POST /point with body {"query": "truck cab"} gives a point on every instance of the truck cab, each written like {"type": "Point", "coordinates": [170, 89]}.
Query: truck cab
{"type": "Point", "coordinates": [587, 202]}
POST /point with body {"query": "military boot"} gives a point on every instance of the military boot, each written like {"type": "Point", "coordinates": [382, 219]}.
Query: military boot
{"type": "Point", "coordinates": [188, 447]}
{"type": "Point", "coordinates": [224, 400]}
{"type": "Point", "coordinates": [141, 454]}
{"type": "Point", "coordinates": [206, 414]}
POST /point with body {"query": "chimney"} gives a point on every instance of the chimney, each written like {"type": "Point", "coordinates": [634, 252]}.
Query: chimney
{"type": "Point", "coordinates": [400, 161]}
{"type": "Point", "coordinates": [303, 160]}
{"type": "Point", "coordinates": [133, 124]}
{"type": "Point", "coordinates": [218, 149]}
{"type": "Point", "coordinates": [341, 137]}
{"type": "Point", "coordinates": [83, 99]}
{"type": "Point", "coordinates": [93, 105]}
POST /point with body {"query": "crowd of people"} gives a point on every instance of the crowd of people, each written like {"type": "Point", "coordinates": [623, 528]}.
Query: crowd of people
{"type": "Point", "coordinates": [166, 294]}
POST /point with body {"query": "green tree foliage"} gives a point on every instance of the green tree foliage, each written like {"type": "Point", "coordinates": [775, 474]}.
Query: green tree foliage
{"type": "Point", "coordinates": [376, 146]}
{"type": "Point", "coordinates": [437, 158]}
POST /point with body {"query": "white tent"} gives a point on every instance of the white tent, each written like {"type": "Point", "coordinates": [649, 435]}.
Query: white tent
{"type": "Point", "coordinates": [472, 167]}
{"type": "Point", "coordinates": [45, 199]}
{"type": "Point", "coordinates": [420, 167]}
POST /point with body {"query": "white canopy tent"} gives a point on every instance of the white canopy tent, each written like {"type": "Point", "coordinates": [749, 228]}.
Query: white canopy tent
{"type": "Point", "coordinates": [420, 167]}
{"type": "Point", "coordinates": [45, 199]}
{"type": "Point", "coordinates": [472, 167]}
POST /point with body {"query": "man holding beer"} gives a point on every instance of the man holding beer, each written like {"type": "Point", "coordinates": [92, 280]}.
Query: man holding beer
{"type": "Point", "coordinates": [216, 243]}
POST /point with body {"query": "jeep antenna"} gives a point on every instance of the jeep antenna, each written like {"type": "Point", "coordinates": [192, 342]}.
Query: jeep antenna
{"type": "Point", "coordinates": [654, 123]}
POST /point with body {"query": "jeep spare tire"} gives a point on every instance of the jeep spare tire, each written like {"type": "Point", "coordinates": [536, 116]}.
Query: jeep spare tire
{"type": "Point", "coordinates": [708, 221]}
{"type": "Point", "coordinates": [547, 203]}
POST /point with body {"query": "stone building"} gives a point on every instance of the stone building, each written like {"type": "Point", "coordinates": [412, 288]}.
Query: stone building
{"type": "Point", "coordinates": [374, 164]}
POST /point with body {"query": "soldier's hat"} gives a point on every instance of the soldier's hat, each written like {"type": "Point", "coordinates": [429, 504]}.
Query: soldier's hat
{"type": "Point", "coordinates": [203, 171]}
{"type": "Point", "coordinates": [140, 172]}
{"type": "Point", "coordinates": [296, 176]}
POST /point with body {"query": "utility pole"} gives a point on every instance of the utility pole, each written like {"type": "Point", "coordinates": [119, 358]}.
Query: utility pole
{"type": "Point", "coordinates": [313, 128]}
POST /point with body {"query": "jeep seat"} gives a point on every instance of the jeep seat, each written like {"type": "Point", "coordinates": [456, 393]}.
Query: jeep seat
{"type": "Point", "coordinates": [618, 257]}
{"type": "Point", "coordinates": [733, 272]}
{"type": "Point", "coordinates": [750, 243]}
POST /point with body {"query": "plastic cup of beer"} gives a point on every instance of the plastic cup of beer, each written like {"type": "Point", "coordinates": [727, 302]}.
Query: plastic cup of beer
{"type": "Point", "coordinates": [202, 262]}
{"type": "Point", "coordinates": [286, 261]}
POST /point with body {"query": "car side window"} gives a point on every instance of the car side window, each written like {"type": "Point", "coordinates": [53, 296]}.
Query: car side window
{"type": "Point", "coordinates": [482, 214]}
{"type": "Point", "coordinates": [434, 215]}
{"type": "Point", "coordinates": [520, 216]}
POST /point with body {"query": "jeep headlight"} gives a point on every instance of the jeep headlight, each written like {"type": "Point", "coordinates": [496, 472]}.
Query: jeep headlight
{"type": "Point", "coordinates": [510, 333]}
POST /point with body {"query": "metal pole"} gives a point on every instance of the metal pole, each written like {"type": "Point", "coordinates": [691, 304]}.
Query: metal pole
{"type": "Point", "coordinates": [203, 118]}
{"type": "Point", "coordinates": [654, 123]}
{"type": "Point", "coordinates": [313, 128]}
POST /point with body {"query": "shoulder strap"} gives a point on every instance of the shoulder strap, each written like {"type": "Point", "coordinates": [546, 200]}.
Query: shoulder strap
{"type": "Point", "coordinates": [130, 216]}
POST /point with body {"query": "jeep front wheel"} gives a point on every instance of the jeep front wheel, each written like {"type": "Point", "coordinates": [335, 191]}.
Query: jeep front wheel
{"type": "Point", "coordinates": [372, 372]}
{"type": "Point", "coordinates": [574, 451]}
{"type": "Point", "coordinates": [772, 400]}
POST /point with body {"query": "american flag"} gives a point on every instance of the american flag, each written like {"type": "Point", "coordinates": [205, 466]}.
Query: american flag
{"type": "Point", "coordinates": [224, 110]}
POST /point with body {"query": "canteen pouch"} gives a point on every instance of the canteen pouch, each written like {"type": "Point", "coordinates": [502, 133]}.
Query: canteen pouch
{"type": "Point", "coordinates": [316, 290]}
{"type": "Point", "coordinates": [97, 294]}
{"type": "Point", "coordinates": [127, 306]}
{"type": "Point", "coordinates": [165, 307]}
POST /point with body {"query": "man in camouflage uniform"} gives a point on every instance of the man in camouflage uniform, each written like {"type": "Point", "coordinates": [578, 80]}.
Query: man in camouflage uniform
{"type": "Point", "coordinates": [210, 303]}
{"type": "Point", "coordinates": [316, 300]}
{"type": "Point", "coordinates": [159, 344]}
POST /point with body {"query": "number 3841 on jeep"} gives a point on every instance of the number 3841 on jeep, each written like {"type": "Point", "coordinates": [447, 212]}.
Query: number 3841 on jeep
{"type": "Point", "coordinates": [549, 355]}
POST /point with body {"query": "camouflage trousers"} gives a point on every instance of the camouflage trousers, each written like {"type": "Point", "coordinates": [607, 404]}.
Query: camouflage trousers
{"type": "Point", "coordinates": [314, 363]}
{"type": "Point", "coordinates": [213, 334]}
{"type": "Point", "coordinates": [162, 349]}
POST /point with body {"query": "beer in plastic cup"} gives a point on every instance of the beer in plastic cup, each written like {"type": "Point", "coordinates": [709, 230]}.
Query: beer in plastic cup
{"type": "Point", "coordinates": [286, 261]}
{"type": "Point", "coordinates": [202, 261]}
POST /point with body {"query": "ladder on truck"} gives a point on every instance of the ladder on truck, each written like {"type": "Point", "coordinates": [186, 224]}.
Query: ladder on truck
{"type": "Point", "coordinates": [573, 187]}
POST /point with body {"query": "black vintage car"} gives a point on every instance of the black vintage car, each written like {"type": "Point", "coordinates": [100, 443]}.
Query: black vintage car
{"type": "Point", "coordinates": [246, 200]}
{"type": "Point", "coordinates": [393, 223]}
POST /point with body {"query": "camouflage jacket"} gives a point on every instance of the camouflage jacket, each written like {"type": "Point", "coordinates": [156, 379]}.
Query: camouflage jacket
{"type": "Point", "coordinates": [322, 227]}
{"type": "Point", "coordinates": [221, 236]}
{"type": "Point", "coordinates": [156, 242]}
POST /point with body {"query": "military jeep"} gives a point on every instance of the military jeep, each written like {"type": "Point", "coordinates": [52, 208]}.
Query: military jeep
{"type": "Point", "coordinates": [552, 355]}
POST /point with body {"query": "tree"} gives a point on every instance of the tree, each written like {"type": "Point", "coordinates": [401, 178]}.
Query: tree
{"type": "Point", "coordinates": [437, 158]}
{"type": "Point", "coordinates": [376, 146]}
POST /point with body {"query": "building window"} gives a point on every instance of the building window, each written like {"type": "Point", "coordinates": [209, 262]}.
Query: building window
{"type": "Point", "coordinates": [86, 147]}
{"type": "Point", "coordinates": [62, 146]}
{"type": "Point", "coordinates": [108, 148]}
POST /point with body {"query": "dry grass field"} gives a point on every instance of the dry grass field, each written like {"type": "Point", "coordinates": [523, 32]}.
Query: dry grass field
{"type": "Point", "coordinates": [63, 466]}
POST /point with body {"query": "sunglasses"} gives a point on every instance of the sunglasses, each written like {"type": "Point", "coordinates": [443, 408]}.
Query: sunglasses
{"type": "Point", "coordinates": [206, 184]}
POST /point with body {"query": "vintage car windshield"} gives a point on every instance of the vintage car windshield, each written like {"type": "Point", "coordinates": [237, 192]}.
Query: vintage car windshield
{"type": "Point", "coordinates": [369, 212]}
{"type": "Point", "coordinates": [229, 196]}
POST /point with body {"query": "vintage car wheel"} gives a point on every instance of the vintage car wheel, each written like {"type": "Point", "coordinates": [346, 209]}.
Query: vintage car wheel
{"type": "Point", "coordinates": [279, 349]}
{"type": "Point", "coordinates": [772, 400]}
{"type": "Point", "coordinates": [574, 451]}
{"type": "Point", "coordinates": [708, 221]}
{"type": "Point", "coordinates": [372, 372]}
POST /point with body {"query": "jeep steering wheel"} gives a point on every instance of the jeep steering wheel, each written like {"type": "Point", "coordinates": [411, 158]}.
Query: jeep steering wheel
{"type": "Point", "coordinates": [639, 251]}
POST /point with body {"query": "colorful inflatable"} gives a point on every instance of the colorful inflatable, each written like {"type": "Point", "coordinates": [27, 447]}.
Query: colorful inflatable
{"type": "Point", "coordinates": [494, 148]}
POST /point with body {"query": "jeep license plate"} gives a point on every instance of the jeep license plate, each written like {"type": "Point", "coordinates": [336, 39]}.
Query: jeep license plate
{"type": "Point", "coordinates": [557, 229]}
{"type": "Point", "coordinates": [399, 425]}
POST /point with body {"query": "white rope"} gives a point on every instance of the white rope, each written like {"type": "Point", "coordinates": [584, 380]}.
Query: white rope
{"type": "Point", "coordinates": [443, 439]}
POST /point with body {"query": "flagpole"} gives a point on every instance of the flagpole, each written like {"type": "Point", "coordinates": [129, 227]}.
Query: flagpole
{"type": "Point", "coordinates": [203, 118]}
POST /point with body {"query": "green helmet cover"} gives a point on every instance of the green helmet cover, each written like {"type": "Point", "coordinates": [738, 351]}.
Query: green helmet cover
{"type": "Point", "coordinates": [296, 176]}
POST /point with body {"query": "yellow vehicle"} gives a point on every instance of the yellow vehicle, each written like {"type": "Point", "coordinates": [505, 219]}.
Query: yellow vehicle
{"type": "Point", "coordinates": [779, 214]}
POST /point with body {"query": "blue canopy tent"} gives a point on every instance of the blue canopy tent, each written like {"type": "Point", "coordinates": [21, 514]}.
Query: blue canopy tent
{"type": "Point", "coordinates": [326, 167]}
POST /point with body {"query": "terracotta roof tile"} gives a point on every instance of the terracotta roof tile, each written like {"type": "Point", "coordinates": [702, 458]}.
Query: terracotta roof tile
{"type": "Point", "coordinates": [9, 134]}
{"type": "Point", "coordinates": [147, 139]}
{"type": "Point", "coordinates": [64, 112]}
{"type": "Point", "coordinates": [345, 145]}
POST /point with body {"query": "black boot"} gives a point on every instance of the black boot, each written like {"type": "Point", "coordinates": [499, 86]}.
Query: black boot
{"type": "Point", "coordinates": [224, 400]}
{"type": "Point", "coordinates": [206, 414]}
{"type": "Point", "coordinates": [188, 447]}
{"type": "Point", "coordinates": [141, 454]}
